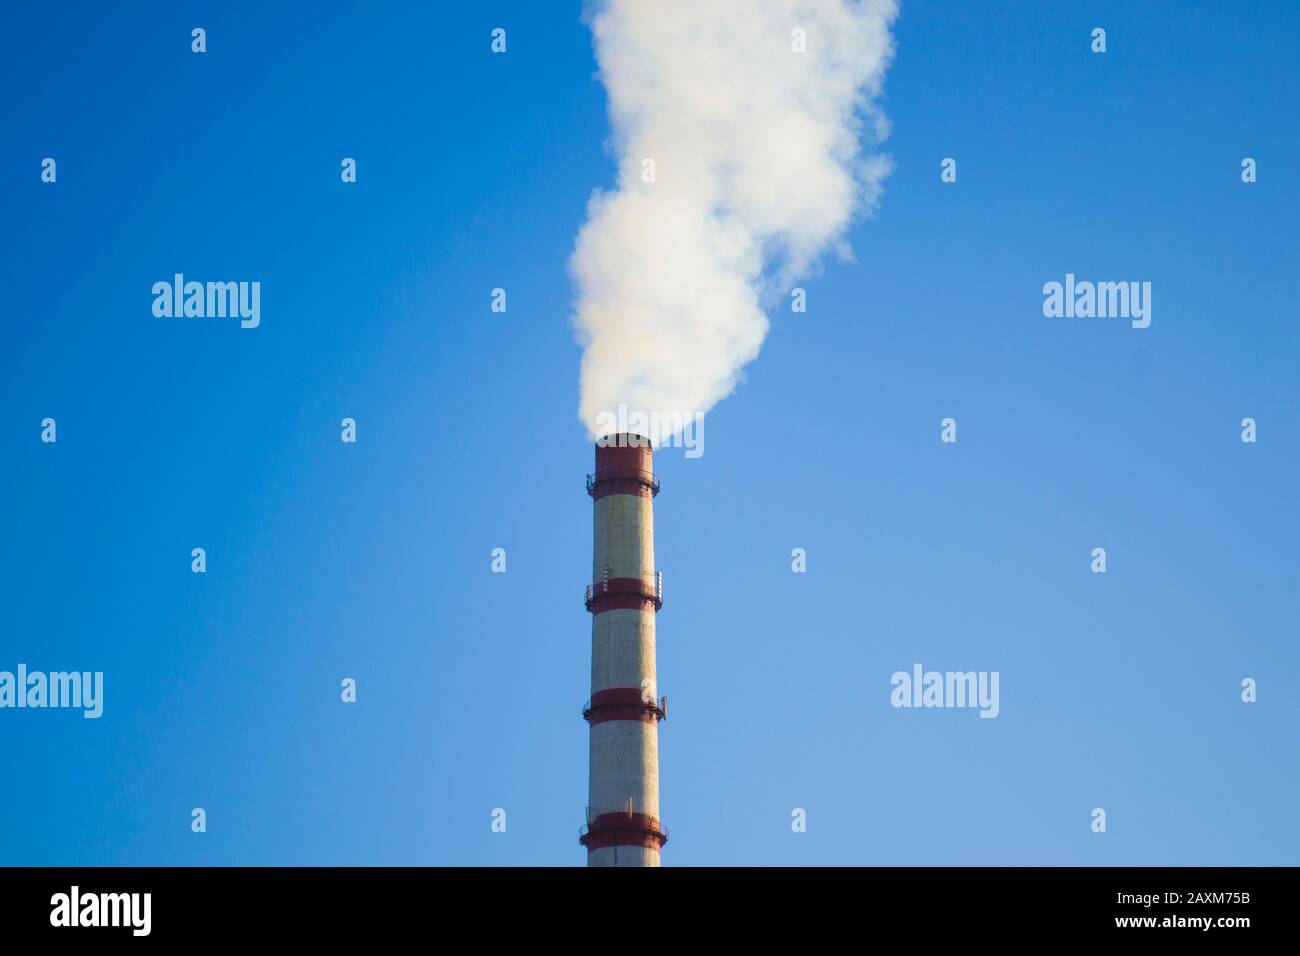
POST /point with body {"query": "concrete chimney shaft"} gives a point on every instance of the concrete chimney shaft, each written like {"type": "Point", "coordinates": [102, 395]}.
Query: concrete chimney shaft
{"type": "Point", "coordinates": [623, 827]}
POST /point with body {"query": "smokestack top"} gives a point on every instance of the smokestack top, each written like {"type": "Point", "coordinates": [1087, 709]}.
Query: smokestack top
{"type": "Point", "coordinates": [624, 450]}
{"type": "Point", "coordinates": [624, 465]}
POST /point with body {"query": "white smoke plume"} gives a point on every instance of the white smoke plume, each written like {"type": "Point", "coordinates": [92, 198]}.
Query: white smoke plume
{"type": "Point", "coordinates": [762, 159]}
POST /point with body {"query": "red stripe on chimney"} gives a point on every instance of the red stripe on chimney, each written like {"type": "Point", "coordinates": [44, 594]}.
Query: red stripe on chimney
{"type": "Point", "coordinates": [622, 594]}
{"type": "Point", "coordinates": [622, 703]}
{"type": "Point", "coordinates": [623, 829]}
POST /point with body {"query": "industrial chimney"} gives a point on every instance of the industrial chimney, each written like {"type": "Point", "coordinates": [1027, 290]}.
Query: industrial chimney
{"type": "Point", "coordinates": [625, 594]}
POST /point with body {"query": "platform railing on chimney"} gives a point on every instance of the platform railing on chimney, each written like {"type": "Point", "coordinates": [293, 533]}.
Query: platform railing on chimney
{"type": "Point", "coordinates": [647, 478]}
{"type": "Point", "coordinates": [651, 590]}
{"type": "Point", "coordinates": [649, 825]}
{"type": "Point", "coordinates": [658, 707]}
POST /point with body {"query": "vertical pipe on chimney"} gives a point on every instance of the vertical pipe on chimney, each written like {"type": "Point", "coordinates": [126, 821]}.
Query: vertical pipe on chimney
{"type": "Point", "coordinates": [623, 826]}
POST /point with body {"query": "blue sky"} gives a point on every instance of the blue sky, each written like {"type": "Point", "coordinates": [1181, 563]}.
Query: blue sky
{"type": "Point", "coordinates": [372, 560]}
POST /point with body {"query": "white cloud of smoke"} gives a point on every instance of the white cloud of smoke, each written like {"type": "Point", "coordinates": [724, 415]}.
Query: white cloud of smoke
{"type": "Point", "coordinates": [762, 160]}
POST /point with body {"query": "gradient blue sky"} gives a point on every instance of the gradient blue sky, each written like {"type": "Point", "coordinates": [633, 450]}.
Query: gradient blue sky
{"type": "Point", "coordinates": [372, 561]}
